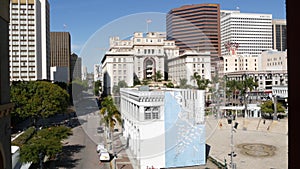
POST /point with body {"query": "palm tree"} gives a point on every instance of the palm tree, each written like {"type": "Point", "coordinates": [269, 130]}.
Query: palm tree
{"type": "Point", "coordinates": [234, 87]}
{"type": "Point", "coordinates": [201, 82]}
{"type": "Point", "coordinates": [157, 76]}
{"type": "Point", "coordinates": [248, 84]}
{"type": "Point", "coordinates": [110, 114]}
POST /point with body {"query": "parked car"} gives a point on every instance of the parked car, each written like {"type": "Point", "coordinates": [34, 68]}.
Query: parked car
{"type": "Point", "coordinates": [101, 148]}
{"type": "Point", "coordinates": [104, 157]}
{"type": "Point", "coordinates": [100, 130]}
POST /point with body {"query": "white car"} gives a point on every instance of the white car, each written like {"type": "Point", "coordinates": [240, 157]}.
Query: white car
{"type": "Point", "coordinates": [101, 148]}
{"type": "Point", "coordinates": [104, 156]}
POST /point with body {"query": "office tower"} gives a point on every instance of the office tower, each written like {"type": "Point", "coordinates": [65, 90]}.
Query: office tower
{"type": "Point", "coordinates": [75, 67]}
{"type": "Point", "coordinates": [245, 33]}
{"type": "Point", "coordinates": [29, 39]}
{"type": "Point", "coordinates": [5, 105]}
{"type": "Point", "coordinates": [279, 34]}
{"type": "Point", "coordinates": [196, 27]}
{"type": "Point", "coordinates": [61, 54]}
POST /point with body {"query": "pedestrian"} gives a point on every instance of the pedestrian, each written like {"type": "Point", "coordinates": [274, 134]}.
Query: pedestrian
{"type": "Point", "coordinates": [264, 121]}
{"type": "Point", "coordinates": [220, 124]}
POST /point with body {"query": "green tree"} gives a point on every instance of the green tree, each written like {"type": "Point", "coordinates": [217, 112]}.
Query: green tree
{"type": "Point", "coordinates": [268, 107]}
{"type": "Point", "coordinates": [201, 83]}
{"type": "Point", "coordinates": [36, 99]}
{"type": "Point", "coordinates": [110, 113]}
{"type": "Point", "coordinates": [46, 141]}
{"type": "Point", "coordinates": [233, 88]}
{"type": "Point", "coordinates": [248, 84]}
{"type": "Point", "coordinates": [116, 88]}
{"type": "Point", "coordinates": [97, 88]}
{"type": "Point", "coordinates": [169, 85]}
{"type": "Point", "coordinates": [183, 83]}
{"type": "Point", "coordinates": [157, 76]}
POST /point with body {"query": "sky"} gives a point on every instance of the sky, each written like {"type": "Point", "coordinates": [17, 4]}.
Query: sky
{"type": "Point", "coordinates": [92, 22]}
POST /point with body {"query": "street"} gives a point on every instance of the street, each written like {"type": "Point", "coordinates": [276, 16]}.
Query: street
{"type": "Point", "coordinates": [79, 151]}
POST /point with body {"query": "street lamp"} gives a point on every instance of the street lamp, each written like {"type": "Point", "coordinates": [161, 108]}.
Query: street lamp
{"type": "Point", "coordinates": [244, 78]}
{"type": "Point", "coordinates": [233, 128]}
{"type": "Point", "coordinates": [41, 155]}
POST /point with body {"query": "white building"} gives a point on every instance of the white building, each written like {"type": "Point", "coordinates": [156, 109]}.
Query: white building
{"type": "Point", "coordinates": [250, 33]}
{"type": "Point", "coordinates": [233, 63]}
{"type": "Point", "coordinates": [185, 65]}
{"type": "Point", "coordinates": [29, 35]}
{"type": "Point", "coordinates": [97, 72]}
{"type": "Point", "coordinates": [139, 58]}
{"type": "Point", "coordinates": [84, 73]}
{"type": "Point", "coordinates": [164, 128]}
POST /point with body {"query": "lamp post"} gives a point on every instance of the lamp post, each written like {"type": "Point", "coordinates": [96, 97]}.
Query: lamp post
{"type": "Point", "coordinates": [275, 107]}
{"type": "Point", "coordinates": [41, 160]}
{"type": "Point", "coordinates": [232, 154]}
{"type": "Point", "coordinates": [244, 78]}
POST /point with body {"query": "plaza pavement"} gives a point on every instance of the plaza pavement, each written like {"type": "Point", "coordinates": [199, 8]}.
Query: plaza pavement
{"type": "Point", "coordinates": [257, 144]}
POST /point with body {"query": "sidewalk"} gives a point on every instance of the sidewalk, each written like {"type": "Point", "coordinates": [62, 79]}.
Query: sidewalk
{"type": "Point", "coordinates": [124, 156]}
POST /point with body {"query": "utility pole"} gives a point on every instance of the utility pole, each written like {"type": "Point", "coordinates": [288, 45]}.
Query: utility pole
{"type": "Point", "coordinates": [275, 107]}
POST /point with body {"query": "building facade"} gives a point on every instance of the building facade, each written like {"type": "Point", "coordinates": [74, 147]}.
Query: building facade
{"type": "Point", "coordinates": [196, 27]}
{"type": "Point", "coordinates": [244, 62]}
{"type": "Point", "coordinates": [61, 52]}
{"type": "Point", "coordinates": [245, 33]}
{"type": "Point", "coordinates": [5, 105]}
{"type": "Point", "coordinates": [29, 40]}
{"type": "Point", "coordinates": [273, 60]}
{"type": "Point", "coordinates": [279, 34]}
{"type": "Point", "coordinates": [266, 79]}
{"type": "Point", "coordinates": [137, 59]}
{"type": "Point", "coordinates": [164, 128]}
{"type": "Point", "coordinates": [75, 66]}
{"type": "Point", "coordinates": [97, 72]}
{"type": "Point", "coordinates": [185, 65]}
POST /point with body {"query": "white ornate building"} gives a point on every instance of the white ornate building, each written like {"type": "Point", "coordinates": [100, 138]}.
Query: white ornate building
{"type": "Point", "coordinates": [144, 55]}
{"type": "Point", "coordinates": [164, 128]}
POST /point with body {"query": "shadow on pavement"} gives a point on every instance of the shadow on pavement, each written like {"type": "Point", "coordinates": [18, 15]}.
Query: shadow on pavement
{"type": "Point", "coordinates": [65, 159]}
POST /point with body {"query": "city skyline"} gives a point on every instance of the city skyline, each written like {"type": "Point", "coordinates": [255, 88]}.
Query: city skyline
{"type": "Point", "coordinates": [83, 20]}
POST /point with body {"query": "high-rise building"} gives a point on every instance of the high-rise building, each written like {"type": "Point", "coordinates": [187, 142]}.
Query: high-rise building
{"type": "Point", "coordinates": [97, 72]}
{"type": "Point", "coordinates": [245, 33]}
{"type": "Point", "coordinates": [5, 105]}
{"type": "Point", "coordinates": [61, 52]}
{"type": "Point", "coordinates": [29, 39]}
{"type": "Point", "coordinates": [196, 27]}
{"type": "Point", "coordinates": [75, 67]}
{"type": "Point", "coordinates": [279, 34]}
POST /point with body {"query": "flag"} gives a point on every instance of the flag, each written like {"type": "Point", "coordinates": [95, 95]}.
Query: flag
{"type": "Point", "coordinates": [149, 21]}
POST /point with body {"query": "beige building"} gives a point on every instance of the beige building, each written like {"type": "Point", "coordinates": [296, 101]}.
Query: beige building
{"type": "Point", "coordinates": [273, 60]}
{"type": "Point", "coordinates": [185, 65]}
{"type": "Point", "coordinates": [234, 63]}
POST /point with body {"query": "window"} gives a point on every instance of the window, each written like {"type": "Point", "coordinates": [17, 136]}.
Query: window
{"type": "Point", "coordinates": [147, 113]}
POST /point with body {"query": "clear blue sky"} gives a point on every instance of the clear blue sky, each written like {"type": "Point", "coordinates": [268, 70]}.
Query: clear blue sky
{"type": "Point", "coordinates": [91, 19]}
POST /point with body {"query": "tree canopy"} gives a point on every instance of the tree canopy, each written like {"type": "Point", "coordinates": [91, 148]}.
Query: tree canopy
{"type": "Point", "coordinates": [46, 141]}
{"type": "Point", "coordinates": [268, 107]}
{"type": "Point", "coordinates": [37, 99]}
{"type": "Point", "coordinates": [110, 113]}
{"type": "Point", "coordinates": [201, 82]}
